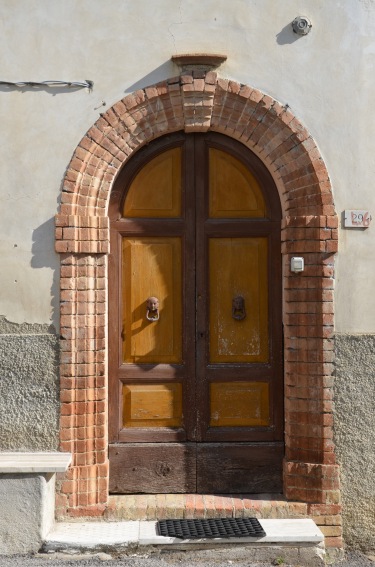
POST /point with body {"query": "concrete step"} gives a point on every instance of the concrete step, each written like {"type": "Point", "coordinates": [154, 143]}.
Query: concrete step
{"type": "Point", "coordinates": [289, 541]}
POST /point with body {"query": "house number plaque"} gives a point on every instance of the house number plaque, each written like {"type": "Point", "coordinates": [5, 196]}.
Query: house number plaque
{"type": "Point", "coordinates": [357, 218]}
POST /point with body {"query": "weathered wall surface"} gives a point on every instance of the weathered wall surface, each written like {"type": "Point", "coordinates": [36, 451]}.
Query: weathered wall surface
{"type": "Point", "coordinates": [29, 388]}
{"type": "Point", "coordinates": [355, 435]}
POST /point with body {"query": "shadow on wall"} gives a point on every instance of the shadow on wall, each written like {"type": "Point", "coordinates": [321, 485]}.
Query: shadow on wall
{"type": "Point", "coordinates": [165, 71]}
{"type": "Point", "coordinates": [53, 91]}
{"type": "Point", "coordinates": [44, 256]}
{"type": "Point", "coordinates": [287, 36]}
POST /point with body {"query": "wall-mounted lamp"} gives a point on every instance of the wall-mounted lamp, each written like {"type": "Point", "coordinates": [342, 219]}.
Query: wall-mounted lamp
{"type": "Point", "coordinates": [301, 25]}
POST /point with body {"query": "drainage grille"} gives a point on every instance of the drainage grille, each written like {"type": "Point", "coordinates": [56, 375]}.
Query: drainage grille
{"type": "Point", "coordinates": [210, 528]}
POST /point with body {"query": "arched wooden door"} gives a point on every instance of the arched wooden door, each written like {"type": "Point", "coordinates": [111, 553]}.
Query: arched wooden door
{"type": "Point", "coordinates": [196, 376]}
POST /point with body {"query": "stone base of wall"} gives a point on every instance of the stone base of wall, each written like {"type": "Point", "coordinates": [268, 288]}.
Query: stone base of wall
{"type": "Point", "coordinates": [27, 511]}
{"type": "Point", "coordinates": [355, 436]}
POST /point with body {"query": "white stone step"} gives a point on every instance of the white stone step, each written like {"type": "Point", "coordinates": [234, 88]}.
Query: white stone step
{"type": "Point", "coordinates": [297, 541]}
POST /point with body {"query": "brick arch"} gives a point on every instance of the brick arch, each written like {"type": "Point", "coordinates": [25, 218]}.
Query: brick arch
{"type": "Point", "coordinates": [199, 103]}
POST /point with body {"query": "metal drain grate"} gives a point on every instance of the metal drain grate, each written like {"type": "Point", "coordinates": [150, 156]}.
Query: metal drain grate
{"type": "Point", "coordinates": [210, 528]}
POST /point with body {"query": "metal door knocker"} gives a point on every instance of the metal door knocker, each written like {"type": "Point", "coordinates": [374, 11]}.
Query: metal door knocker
{"type": "Point", "coordinates": [238, 308]}
{"type": "Point", "coordinates": [152, 313]}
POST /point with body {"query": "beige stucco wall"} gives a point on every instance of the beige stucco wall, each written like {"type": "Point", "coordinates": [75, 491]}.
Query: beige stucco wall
{"type": "Point", "coordinates": [325, 77]}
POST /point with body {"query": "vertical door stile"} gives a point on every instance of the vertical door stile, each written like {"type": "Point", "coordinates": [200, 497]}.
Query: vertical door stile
{"type": "Point", "coordinates": [201, 332]}
{"type": "Point", "coordinates": [189, 275]}
{"type": "Point", "coordinates": [275, 300]}
{"type": "Point", "coordinates": [114, 334]}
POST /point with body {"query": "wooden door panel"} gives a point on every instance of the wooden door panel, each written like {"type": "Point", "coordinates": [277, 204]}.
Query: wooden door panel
{"type": "Point", "coordinates": [152, 267]}
{"type": "Point", "coordinates": [239, 404]}
{"type": "Point", "coordinates": [234, 192]}
{"type": "Point", "coordinates": [240, 467]}
{"type": "Point", "coordinates": [238, 268]}
{"type": "Point", "coordinates": [152, 468]}
{"type": "Point", "coordinates": [156, 405]}
{"type": "Point", "coordinates": [156, 190]}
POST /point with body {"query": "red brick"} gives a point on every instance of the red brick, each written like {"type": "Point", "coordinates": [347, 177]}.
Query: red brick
{"type": "Point", "coordinates": [332, 221]}
{"type": "Point", "coordinates": [332, 246]}
{"type": "Point", "coordinates": [161, 506]}
{"type": "Point", "coordinates": [87, 511]}
{"type": "Point", "coordinates": [199, 508]}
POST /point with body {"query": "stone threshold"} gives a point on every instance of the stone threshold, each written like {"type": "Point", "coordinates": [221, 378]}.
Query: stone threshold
{"type": "Point", "coordinates": [296, 541]}
{"type": "Point", "coordinates": [170, 506]}
{"type": "Point", "coordinates": [98, 534]}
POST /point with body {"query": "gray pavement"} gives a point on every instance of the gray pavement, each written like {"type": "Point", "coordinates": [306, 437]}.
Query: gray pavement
{"type": "Point", "coordinates": [163, 559]}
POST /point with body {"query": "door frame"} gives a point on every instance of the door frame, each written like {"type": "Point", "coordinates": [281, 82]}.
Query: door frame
{"type": "Point", "coordinates": [309, 228]}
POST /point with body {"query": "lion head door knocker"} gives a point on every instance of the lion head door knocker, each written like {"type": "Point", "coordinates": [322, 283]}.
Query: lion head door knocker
{"type": "Point", "coordinates": [152, 313]}
{"type": "Point", "coordinates": [238, 308]}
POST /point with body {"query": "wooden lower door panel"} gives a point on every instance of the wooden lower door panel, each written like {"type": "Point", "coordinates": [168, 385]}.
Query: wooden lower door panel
{"type": "Point", "coordinates": [239, 468]}
{"type": "Point", "coordinates": [152, 468]}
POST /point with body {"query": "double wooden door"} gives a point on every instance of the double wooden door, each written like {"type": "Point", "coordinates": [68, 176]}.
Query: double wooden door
{"type": "Point", "coordinates": [195, 321]}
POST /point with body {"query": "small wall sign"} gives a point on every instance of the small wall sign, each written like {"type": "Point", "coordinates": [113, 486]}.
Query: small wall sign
{"type": "Point", "coordinates": [357, 218]}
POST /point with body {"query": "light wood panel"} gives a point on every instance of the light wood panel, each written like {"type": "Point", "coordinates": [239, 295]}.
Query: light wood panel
{"type": "Point", "coordinates": [238, 267]}
{"type": "Point", "coordinates": [239, 404]}
{"type": "Point", "coordinates": [156, 190]}
{"type": "Point", "coordinates": [233, 190]}
{"type": "Point", "coordinates": [156, 405]}
{"type": "Point", "coordinates": [152, 267]}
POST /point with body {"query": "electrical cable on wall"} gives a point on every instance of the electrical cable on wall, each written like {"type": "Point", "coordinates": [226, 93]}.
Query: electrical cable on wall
{"type": "Point", "coordinates": [73, 84]}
